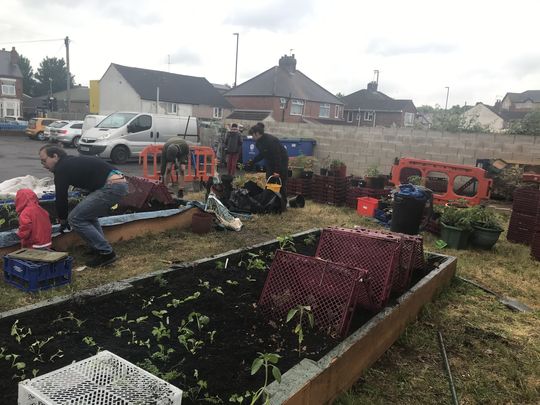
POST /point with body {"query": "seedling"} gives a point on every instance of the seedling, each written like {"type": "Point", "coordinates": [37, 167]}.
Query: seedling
{"type": "Point", "coordinates": [160, 314]}
{"type": "Point", "coordinates": [89, 340]}
{"type": "Point", "coordinates": [268, 360]}
{"type": "Point", "coordinates": [231, 282]}
{"type": "Point", "coordinates": [310, 240]}
{"type": "Point", "coordinates": [162, 354]}
{"type": "Point", "coordinates": [205, 284]}
{"type": "Point", "coordinates": [70, 317]}
{"type": "Point", "coordinates": [212, 335]}
{"type": "Point", "coordinates": [255, 262]}
{"type": "Point", "coordinates": [148, 302]}
{"type": "Point", "coordinates": [161, 332]}
{"type": "Point", "coordinates": [59, 354]}
{"type": "Point", "coordinates": [175, 302]}
{"type": "Point", "coordinates": [239, 398]}
{"type": "Point", "coordinates": [19, 365]}
{"type": "Point", "coordinates": [248, 278]}
{"type": "Point", "coordinates": [122, 318]}
{"type": "Point", "coordinates": [301, 310]}
{"type": "Point", "coordinates": [36, 348]}
{"type": "Point", "coordinates": [19, 333]}
{"type": "Point", "coordinates": [159, 280]}
{"type": "Point", "coordinates": [220, 265]}
{"type": "Point", "coordinates": [218, 290]}
{"type": "Point", "coordinates": [118, 331]}
{"type": "Point", "coordinates": [286, 242]}
{"type": "Point", "coordinates": [200, 319]}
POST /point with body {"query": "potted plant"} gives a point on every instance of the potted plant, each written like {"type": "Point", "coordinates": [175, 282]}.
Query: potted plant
{"type": "Point", "coordinates": [456, 226]}
{"type": "Point", "coordinates": [325, 164]}
{"type": "Point", "coordinates": [487, 227]}
{"type": "Point", "coordinates": [373, 178]}
{"type": "Point", "coordinates": [337, 168]}
{"type": "Point", "coordinates": [306, 163]}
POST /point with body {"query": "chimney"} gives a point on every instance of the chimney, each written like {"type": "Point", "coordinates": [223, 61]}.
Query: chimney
{"type": "Point", "coordinates": [372, 86]}
{"type": "Point", "coordinates": [14, 56]}
{"type": "Point", "coordinates": [288, 63]}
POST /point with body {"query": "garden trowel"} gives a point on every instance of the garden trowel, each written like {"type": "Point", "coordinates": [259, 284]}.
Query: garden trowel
{"type": "Point", "coordinates": [511, 303]}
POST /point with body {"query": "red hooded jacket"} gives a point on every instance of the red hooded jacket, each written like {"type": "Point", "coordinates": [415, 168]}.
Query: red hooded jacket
{"type": "Point", "coordinates": [34, 224]}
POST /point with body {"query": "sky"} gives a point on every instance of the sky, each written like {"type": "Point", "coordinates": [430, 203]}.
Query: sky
{"type": "Point", "coordinates": [479, 49]}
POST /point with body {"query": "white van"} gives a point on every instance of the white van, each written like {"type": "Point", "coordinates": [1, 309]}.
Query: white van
{"type": "Point", "coordinates": [90, 121]}
{"type": "Point", "coordinates": [123, 135]}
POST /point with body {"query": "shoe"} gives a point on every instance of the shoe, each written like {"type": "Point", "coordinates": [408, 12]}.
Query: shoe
{"type": "Point", "coordinates": [90, 251]}
{"type": "Point", "coordinates": [102, 260]}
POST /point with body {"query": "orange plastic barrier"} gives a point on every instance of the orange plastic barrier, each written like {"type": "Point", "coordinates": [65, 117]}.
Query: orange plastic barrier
{"type": "Point", "coordinates": [201, 165]}
{"type": "Point", "coordinates": [448, 181]}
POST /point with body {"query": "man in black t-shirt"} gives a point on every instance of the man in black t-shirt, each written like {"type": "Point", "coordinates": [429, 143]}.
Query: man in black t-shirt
{"type": "Point", "coordinates": [106, 185]}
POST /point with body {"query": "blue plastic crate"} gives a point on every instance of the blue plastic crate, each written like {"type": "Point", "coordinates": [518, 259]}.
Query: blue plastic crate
{"type": "Point", "coordinates": [294, 146]}
{"type": "Point", "coordinates": [36, 276]}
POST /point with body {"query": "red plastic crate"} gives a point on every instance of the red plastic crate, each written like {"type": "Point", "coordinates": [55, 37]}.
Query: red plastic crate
{"type": "Point", "coordinates": [366, 206]}
{"type": "Point", "coordinates": [377, 253]}
{"type": "Point", "coordinates": [331, 289]}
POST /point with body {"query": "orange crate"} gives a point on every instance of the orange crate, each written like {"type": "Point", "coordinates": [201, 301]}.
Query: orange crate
{"type": "Point", "coordinates": [366, 206]}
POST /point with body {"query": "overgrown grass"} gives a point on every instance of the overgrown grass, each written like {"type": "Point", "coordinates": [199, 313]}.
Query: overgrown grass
{"type": "Point", "coordinates": [494, 353]}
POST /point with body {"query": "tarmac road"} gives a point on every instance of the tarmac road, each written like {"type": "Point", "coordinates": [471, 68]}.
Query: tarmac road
{"type": "Point", "coordinates": [19, 156]}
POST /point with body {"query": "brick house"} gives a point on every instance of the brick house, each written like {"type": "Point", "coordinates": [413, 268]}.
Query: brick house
{"type": "Point", "coordinates": [283, 93]}
{"type": "Point", "coordinates": [370, 107]}
{"type": "Point", "coordinates": [11, 84]}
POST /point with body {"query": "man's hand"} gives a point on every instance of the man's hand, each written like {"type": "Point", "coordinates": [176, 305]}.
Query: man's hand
{"type": "Point", "coordinates": [64, 226]}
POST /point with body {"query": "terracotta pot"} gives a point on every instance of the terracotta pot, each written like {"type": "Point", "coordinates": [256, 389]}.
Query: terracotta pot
{"type": "Point", "coordinates": [201, 222]}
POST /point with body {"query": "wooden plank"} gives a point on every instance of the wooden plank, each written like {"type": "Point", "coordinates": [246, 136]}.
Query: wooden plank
{"type": "Point", "coordinates": [345, 364]}
{"type": "Point", "coordinates": [37, 255]}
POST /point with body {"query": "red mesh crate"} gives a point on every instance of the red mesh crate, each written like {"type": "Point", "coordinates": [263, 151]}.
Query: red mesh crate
{"type": "Point", "coordinates": [142, 191]}
{"type": "Point", "coordinates": [521, 227]}
{"type": "Point", "coordinates": [331, 289]}
{"type": "Point", "coordinates": [375, 252]}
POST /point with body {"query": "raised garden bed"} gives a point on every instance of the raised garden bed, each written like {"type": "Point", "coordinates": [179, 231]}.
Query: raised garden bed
{"type": "Point", "coordinates": [196, 325]}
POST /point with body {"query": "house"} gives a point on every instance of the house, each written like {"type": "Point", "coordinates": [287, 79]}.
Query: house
{"type": "Point", "coordinates": [57, 103]}
{"type": "Point", "coordinates": [486, 116]}
{"type": "Point", "coordinates": [283, 93]}
{"type": "Point", "coordinates": [134, 89]}
{"type": "Point", "coordinates": [370, 107]}
{"type": "Point", "coordinates": [11, 84]}
{"type": "Point", "coordinates": [521, 102]}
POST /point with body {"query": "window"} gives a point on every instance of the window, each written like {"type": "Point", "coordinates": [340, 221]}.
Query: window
{"type": "Point", "coordinates": [297, 107]}
{"type": "Point", "coordinates": [141, 123]}
{"type": "Point", "coordinates": [368, 115]}
{"type": "Point", "coordinates": [8, 89]}
{"type": "Point", "coordinates": [172, 108]}
{"type": "Point", "coordinates": [76, 126]}
{"type": "Point", "coordinates": [408, 120]}
{"type": "Point", "coordinates": [10, 108]}
{"type": "Point", "coordinates": [324, 111]}
{"type": "Point", "coordinates": [337, 113]}
{"type": "Point", "coordinates": [218, 112]}
{"type": "Point", "coordinates": [282, 103]}
{"type": "Point", "coordinates": [350, 115]}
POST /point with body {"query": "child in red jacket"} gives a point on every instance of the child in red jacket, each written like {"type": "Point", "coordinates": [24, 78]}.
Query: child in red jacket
{"type": "Point", "coordinates": [34, 224]}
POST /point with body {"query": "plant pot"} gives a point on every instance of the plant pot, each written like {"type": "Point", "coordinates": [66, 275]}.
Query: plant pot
{"type": "Point", "coordinates": [201, 222]}
{"type": "Point", "coordinates": [340, 171]}
{"type": "Point", "coordinates": [306, 174]}
{"type": "Point", "coordinates": [323, 171]}
{"type": "Point", "coordinates": [456, 238]}
{"type": "Point", "coordinates": [484, 238]}
{"type": "Point", "coordinates": [375, 182]}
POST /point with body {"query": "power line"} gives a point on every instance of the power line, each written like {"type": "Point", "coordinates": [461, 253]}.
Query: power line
{"type": "Point", "coordinates": [28, 42]}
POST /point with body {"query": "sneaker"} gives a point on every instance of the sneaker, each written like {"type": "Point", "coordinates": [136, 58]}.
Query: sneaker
{"type": "Point", "coordinates": [90, 251]}
{"type": "Point", "coordinates": [102, 260]}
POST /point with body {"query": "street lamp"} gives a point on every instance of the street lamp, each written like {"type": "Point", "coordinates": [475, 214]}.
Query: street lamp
{"type": "Point", "coordinates": [50, 86]}
{"type": "Point", "coordinates": [447, 92]}
{"type": "Point", "coordinates": [236, 64]}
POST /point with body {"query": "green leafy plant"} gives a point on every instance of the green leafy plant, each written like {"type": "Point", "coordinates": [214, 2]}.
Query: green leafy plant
{"type": "Point", "coordinates": [372, 171]}
{"type": "Point", "coordinates": [286, 242]}
{"type": "Point", "coordinates": [239, 398]}
{"type": "Point", "coordinates": [485, 218]}
{"type": "Point", "coordinates": [254, 262]}
{"type": "Point", "coordinates": [36, 348]}
{"type": "Point", "coordinates": [70, 317]}
{"type": "Point", "coordinates": [457, 217]}
{"type": "Point", "coordinates": [415, 180]}
{"type": "Point", "coordinates": [159, 280]}
{"type": "Point", "coordinates": [268, 361]}
{"type": "Point", "coordinates": [19, 365]}
{"type": "Point", "coordinates": [19, 332]}
{"type": "Point", "coordinates": [302, 312]}
{"type": "Point", "coordinates": [336, 164]}
{"type": "Point", "coordinates": [161, 332]}
{"type": "Point", "coordinates": [58, 355]}
{"type": "Point", "coordinates": [176, 302]}
{"type": "Point", "coordinates": [163, 353]}
{"type": "Point", "coordinates": [310, 240]}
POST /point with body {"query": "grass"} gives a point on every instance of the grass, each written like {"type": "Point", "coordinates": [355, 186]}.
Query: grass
{"type": "Point", "coordinates": [494, 353]}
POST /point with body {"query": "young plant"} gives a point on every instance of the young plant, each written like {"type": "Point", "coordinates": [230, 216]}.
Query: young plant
{"type": "Point", "coordinates": [255, 262]}
{"type": "Point", "coordinates": [36, 348]}
{"type": "Point", "coordinates": [163, 353]}
{"type": "Point", "coordinates": [310, 240]}
{"type": "Point", "coordinates": [200, 319]}
{"type": "Point", "coordinates": [59, 354]}
{"type": "Point", "coordinates": [286, 242]}
{"type": "Point", "coordinates": [161, 332]}
{"type": "Point", "coordinates": [301, 311]}
{"type": "Point", "coordinates": [239, 398]}
{"type": "Point", "coordinates": [19, 365]}
{"type": "Point", "coordinates": [175, 302]}
{"type": "Point", "coordinates": [19, 333]}
{"type": "Point", "coordinates": [159, 280]}
{"type": "Point", "coordinates": [268, 361]}
{"type": "Point", "coordinates": [70, 317]}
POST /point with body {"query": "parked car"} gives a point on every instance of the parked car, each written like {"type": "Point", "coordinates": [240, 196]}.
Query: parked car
{"type": "Point", "coordinates": [36, 127]}
{"type": "Point", "coordinates": [17, 120]}
{"type": "Point", "coordinates": [91, 120]}
{"type": "Point", "coordinates": [68, 133]}
{"type": "Point", "coordinates": [47, 130]}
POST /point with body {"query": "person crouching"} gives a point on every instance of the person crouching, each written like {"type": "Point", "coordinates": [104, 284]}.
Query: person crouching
{"type": "Point", "coordinates": [35, 227]}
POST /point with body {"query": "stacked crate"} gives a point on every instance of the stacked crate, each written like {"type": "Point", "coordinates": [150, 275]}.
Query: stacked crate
{"type": "Point", "coordinates": [299, 186]}
{"type": "Point", "coordinates": [329, 190]}
{"type": "Point", "coordinates": [525, 219]}
{"type": "Point", "coordinates": [353, 193]}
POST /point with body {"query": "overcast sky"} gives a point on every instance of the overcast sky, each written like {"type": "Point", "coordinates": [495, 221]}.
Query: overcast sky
{"type": "Point", "coordinates": [480, 49]}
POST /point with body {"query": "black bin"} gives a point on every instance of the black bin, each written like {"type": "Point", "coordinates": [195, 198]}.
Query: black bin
{"type": "Point", "coordinates": [409, 207]}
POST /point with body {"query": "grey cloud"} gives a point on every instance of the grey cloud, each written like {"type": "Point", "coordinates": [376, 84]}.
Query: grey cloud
{"type": "Point", "coordinates": [525, 64]}
{"type": "Point", "coordinates": [185, 57]}
{"type": "Point", "coordinates": [278, 16]}
{"type": "Point", "coordinates": [387, 48]}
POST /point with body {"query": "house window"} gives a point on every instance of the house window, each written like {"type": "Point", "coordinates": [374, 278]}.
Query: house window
{"type": "Point", "coordinates": [297, 107]}
{"type": "Point", "coordinates": [337, 112]}
{"type": "Point", "coordinates": [350, 115]}
{"type": "Point", "coordinates": [10, 108]}
{"type": "Point", "coordinates": [282, 103]}
{"type": "Point", "coordinates": [324, 111]}
{"type": "Point", "coordinates": [368, 115]}
{"type": "Point", "coordinates": [8, 90]}
{"type": "Point", "coordinates": [218, 112]}
{"type": "Point", "coordinates": [172, 108]}
{"type": "Point", "coordinates": [408, 120]}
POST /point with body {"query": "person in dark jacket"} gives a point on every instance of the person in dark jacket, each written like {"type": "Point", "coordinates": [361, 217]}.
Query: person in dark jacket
{"type": "Point", "coordinates": [233, 146]}
{"type": "Point", "coordinates": [276, 157]}
{"type": "Point", "coordinates": [35, 229]}
{"type": "Point", "coordinates": [106, 185]}
{"type": "Point", "coordinates": [175, 152]}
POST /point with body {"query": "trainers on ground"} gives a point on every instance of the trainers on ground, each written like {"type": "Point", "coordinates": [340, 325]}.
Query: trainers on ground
{"type": "Point", "coordinates": [101, 260]}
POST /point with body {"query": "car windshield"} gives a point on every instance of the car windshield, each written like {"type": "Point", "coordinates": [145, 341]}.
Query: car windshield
{"type": "Point", "coordinates": [116, 120]}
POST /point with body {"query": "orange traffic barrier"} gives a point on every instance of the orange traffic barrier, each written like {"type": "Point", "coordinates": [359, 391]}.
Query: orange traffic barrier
{"type": "Point", "coordinates": [447, 181]}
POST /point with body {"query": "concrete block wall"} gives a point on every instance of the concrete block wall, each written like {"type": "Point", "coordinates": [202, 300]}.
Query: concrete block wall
{"type": "Point", "coordinates": [363, 147]}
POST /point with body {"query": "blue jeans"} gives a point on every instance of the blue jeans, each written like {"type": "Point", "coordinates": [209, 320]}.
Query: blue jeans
{"type": "Point", "coordinates": [84, 217]}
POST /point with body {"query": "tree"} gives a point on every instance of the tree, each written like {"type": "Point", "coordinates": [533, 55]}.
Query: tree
{"type": "Point", "coordinates": [528, 125]}
{"type": "Point", "coordinates": [52, 73]}
{"type": "Point", "coordinates": [28, 75]}
{"type": "Point", "coordinates": [340, 95]}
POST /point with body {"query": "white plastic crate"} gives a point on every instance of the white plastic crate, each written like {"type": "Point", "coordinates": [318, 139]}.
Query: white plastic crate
{"type": "Point", "coordinates": [103, 379]}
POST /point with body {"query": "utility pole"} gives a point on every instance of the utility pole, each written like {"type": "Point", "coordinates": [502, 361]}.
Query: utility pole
{"type": "Point", "coordinates": [447, 92]}
{"type": "Point", "coordinates": [236, 64]}
{"type": "Point", "coordinates": [68, 88]}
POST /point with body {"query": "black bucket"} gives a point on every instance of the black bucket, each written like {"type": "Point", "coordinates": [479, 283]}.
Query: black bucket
{"type": "Point", "coordinates": [297, 201]}
{"type": "Point", "coordinates": [409, 209]}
